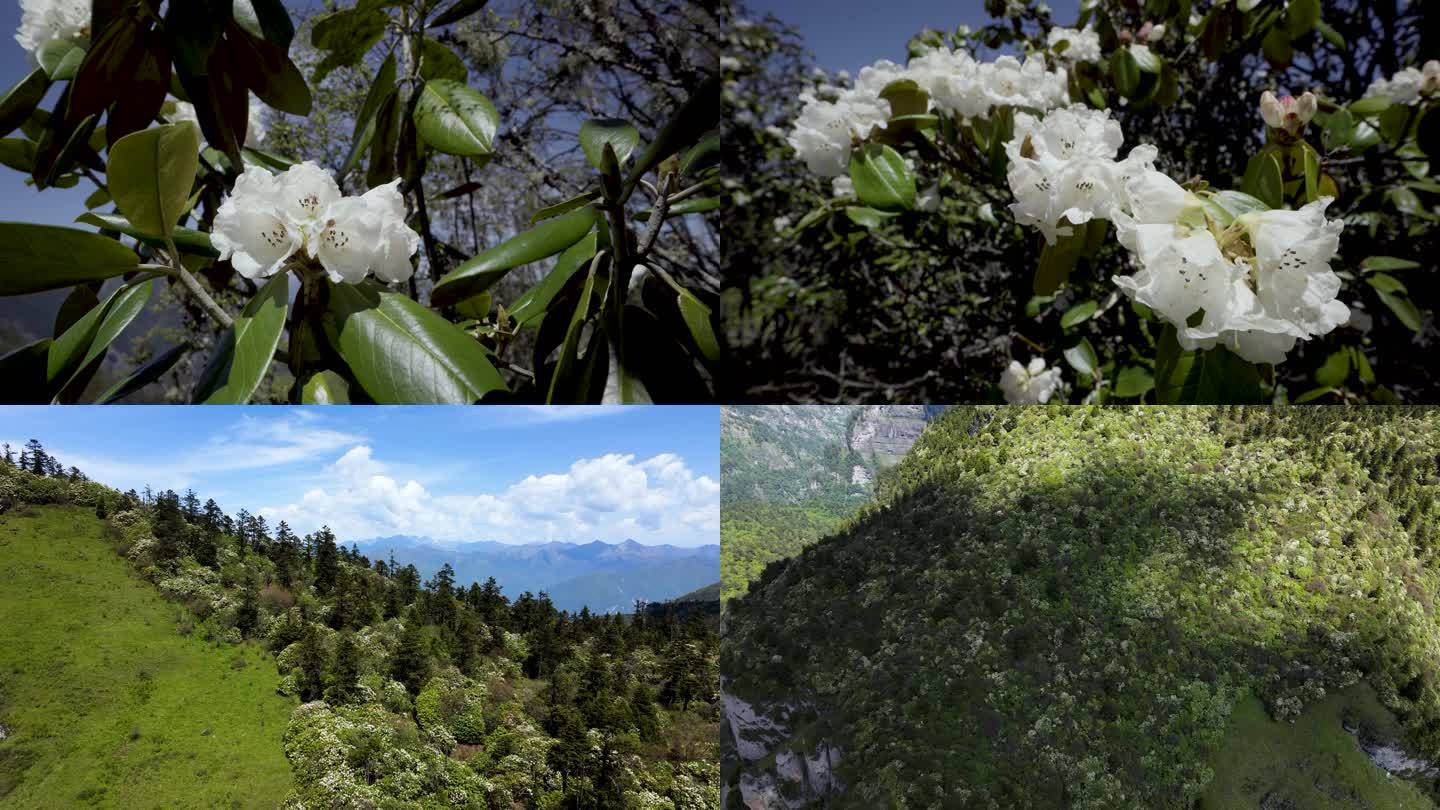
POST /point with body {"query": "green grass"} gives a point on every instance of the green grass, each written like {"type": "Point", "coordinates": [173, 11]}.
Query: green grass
{"type": "Point", "coordinates": [1312, 764]}
{"type": "Point", "coordinates": [106, 704]}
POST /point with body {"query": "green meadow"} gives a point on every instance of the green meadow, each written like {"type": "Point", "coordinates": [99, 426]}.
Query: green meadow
{"type": "Point", "coordinates": [104, 702]}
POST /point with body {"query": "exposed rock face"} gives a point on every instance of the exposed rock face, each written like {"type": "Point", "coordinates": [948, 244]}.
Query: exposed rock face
{"type": "Point", "coordinates": [776, 770]}
{"type": "Point", "coordinates": [886, 432]}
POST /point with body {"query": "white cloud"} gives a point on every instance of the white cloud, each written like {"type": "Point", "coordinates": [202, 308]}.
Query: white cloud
{"type": "Point", "coordinates": [610, 497]}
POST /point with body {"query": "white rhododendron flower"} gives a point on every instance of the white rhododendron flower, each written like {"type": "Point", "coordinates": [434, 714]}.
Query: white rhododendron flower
{"type": "Point", "coordinates": [1258, 298]}
{"type": "Point", "coordinates": [1409, 85]}
{"type": "Point", "coordinates": [1029, 385]}
{"type": "Point", "coordinates": [834, 119]}
{"type": "Point", "coordinates": [1063, 169]}
{"type": "Point", "coordinates": [842, 187]}
{"type": "Point", "coordinates": [928, 199]}
{"type": "Point", "coordinates": [267, 219]}
{"type": "Point", "coordinates": [255, 130]}
{"type": "Point", "coordinates": [250, 229]}
{"type": "Point", "coordinates": [1084, 44]}
{"type": "Point", "coordinates": [43, 21]}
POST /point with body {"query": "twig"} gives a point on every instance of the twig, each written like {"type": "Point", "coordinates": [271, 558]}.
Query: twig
{"type": "Point", "coordinates": [193, 285]}
{"type": "Point", "coordinates": [657, 219]}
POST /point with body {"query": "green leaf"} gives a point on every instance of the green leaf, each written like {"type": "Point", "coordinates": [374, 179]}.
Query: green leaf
{"type": "Point", "coordinates": [698, 115]}
{"type": "Point", "coordinates": [457, 12]}
{"type": "Point", "coordinates": [18, 154]}
{"type": "Point", "coordinates": [1145, 59]}
{"type": "Point", "coordinates": [144, 375]}
{"type": "Point", "coordinates": [188, 240]}
{"type": "Point", "coordinates": [623, 387]}
{"type": "Point", "coordinates": [22, 99]}
{"type": "Point", "coordinates": [1301, 17]}
{"type": "Point", "coordinates": [570, 346]}
{"type": "Point", "coordinates": [45, 257]}
{"type": "Point", "coordinates": [620, 134]}
{"type": "Point", "coordinates": [1056, 262]}
{"type": "Point", "coordinates": [439, 62]}
{"type": "Point", "coordinates": [123, 306]}
{"type": "Point", "coordinates": [1264, 179]}
{"type": "Point", "coordinates": [533, 303]}
{"type": "Point", "coordinates": [1225, 206]}
{"type": "Point", "coordinates": [1404, 200]}
{"type": "Point", "coordinates": [1393, 123]}
{"type": "Point", "coordinates": [245, 350]}
{"type": "Point", "coordinates": [325, 388]}
{"type": "Point", "coordinates": [1079, 313]}
{"type": "Point", "coordinates": [266, 69]}
{"type": "Point", "coordinates": [275, 23]}
{"type": "Point", "coordinates": [1393, 293]}
{"type": "Point", "coordinates": [1335, 369]}
{"type": "Point", "coordinates": [150, 174]}
{"type": "Point", "coordinates": [402, 353]}
{"type": "Point", "coordinates": [697, 318]}
{"type": "Point", "coordinates": [1372, 264]}
{"type": "Point", "coordinates": [694, 205]}
{"type": "Point", "coordinates": [380, 90]}
{"type": "Point", "coordinates": [564, 206]}
{"type": "Point", "coordinates": [881, 178]}
{"type": "Point", "coordinates": [1362, 365]}
{"type": "Point", "coordinates": [61, 58]}
{"type": "Point", "coordinates": [1330, 34]}
{"type": "Point", "coordinates": [456, 119]}
{"type": "Point", "coordinates": [1314, 394]}
{"type": "Point", "coordinates": [1133, 381]}
{"type": "Point", "coordinates": [1125, 72]}
{"type": "Point", "coordinates": [702, 155]}
{"type": "Point", "coordinates": [348, 35]}
{"type": "Point", "coordinates": [868, 217]}
{"type": "Point", "coordinates": [546, 239]}
{"type": "Point", "coordinates": [1370, 105]}
{"type": "Point", "coordinates": [1213, 376]}
{"type": "Point", "coordinates": [1339, 129]}
{"type": "Point", "coordinates": [906, 98]}
{"type": "Point", "coordinates": [1081, 357]}
{"type": "Point", "coordinates": [1312, 171]}
{"type": "Point", "coordinates": [1277, 48]}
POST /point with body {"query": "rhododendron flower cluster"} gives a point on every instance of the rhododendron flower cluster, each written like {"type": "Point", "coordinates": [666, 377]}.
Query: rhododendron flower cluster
{"type": "Point", "coordinates": [43, 21]}
{"type": "Point", "coordinates": [1262, 284]}
{"type": "Point", "coordinates": [1063, 168]}
{"type": "Point", "coordinates": [1409, 85]}
{"type": "Point", "coordinates": [1287, 112]}
{"type": "Point", "coordinates": [834, 119]}
{"type": "Point", "coordinates": [1029, 385]}
{"type": "Point", "coordinates": [267, 219]}
{"type": "Point", "coordinates": [1084, 44]}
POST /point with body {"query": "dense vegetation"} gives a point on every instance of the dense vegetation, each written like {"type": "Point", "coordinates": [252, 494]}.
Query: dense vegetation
{"type": "Point", "coordinates": [1062, 607]}
{"type": "Point", "coordinates": [428, 694]}
{"type": "Point", "coordinates": [787, 480]}
{"type": "Point", "coordinates": [101, 700]}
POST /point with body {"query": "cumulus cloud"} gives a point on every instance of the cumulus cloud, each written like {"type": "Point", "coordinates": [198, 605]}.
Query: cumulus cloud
{"type": "Point", "coordinates": [610, 497]}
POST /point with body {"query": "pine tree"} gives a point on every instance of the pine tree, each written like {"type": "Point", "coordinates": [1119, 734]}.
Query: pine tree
{"type": "Point", "coordinates": [326, 561]}
{"type": "Point", "coordinates": [644, 713]}
{"type": "Point", "coordinates": [247, 617]}
{"type": "Point", "coordinates": [39, 462]}
{"type": "Point", "coordinates": [411, 665]}
{"type": "Point", "coordinates": [571, 753]}
{"type": "Point", "coordinates": [345, 679]}
{"type": "Point", "coordinates": [8, 457]}
{"type": "Point", "coordinates": [242, 529]}
{"type": "Point", "coordinates": [312, 665]}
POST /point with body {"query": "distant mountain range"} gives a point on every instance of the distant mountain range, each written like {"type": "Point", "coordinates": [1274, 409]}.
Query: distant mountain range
{"type": "Point", "coordinates": [606, 577]}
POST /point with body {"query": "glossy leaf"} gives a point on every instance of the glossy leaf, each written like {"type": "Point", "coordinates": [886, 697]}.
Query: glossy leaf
{"type": "Point", "coordinates": [401, 352]}
{"type": "Point", "coordinates": [560, 379]}
{"type": "Point", "coordinates": [246, 349]}
{"type": "Point", "coordinates": [1394, 295]}
{"type": "Point", "coordinates": [868, 217]}
{"type": "Point", "coordinates": [60, 58]}
{"type": "Point", "coordinates": [118, 312]}
{"type": "Point", "coordinates": [702, 155]}
{"type": "Point", "coordinates": [1079, 313]}
{"type": "Point", "coordinates": [1133, 381]}
{"type": "Point", "coordinates": [619, 133]}
{"type": "Point", "coordinates": [439, 62]}
{"type": "Point", "coordinates": [18, 154]}
{"type": "Point", "coordinates": [22, 99]}
{"type": "Point", "coordinates": [1125, 72]}
{"type": "Point", "coordinates": [456, 119]}
{"type": "Point", "coordinates": [564, 206]}
{"type": "Point", "coordinates": [1081, 357]}
{"type": "Point", "coordinates": [1335, 369]}
{"type": "Point", "coordinates": [881, 178]}
{"type": "Point", "coordinates": [1213, 376]}
{"type": "Point", "coordinates": [45, 257]}
{"type": "Point", "coordinates": [1372, 264]}
{"type": "Point", "coordinates": [150, 174]}
{"type": "Point", "coordinates": [188, 240]}
{"type": "Point", "coordinates": [546, 239]}
{"type": "Point", "coordinates": [144, 375]}
{"type": "Point", "coordinates": [348, 35]}
{"type": "Point", "coordinates": [697, 318]}
{"type": "Point", "coordinates": [533, 303]}
{"type": "Point", "coordinates": [325, 388]}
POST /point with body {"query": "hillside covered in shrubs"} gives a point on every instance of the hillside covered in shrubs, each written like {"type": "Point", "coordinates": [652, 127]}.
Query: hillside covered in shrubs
{"type": "Point", "coordinates": [420, 694]}
{"type": "Point", "coordinates": [1107, 607]}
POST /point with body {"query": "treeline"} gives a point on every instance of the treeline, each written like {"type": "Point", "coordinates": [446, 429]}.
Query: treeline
{"type": "Point", "coordinates": [427, 691]}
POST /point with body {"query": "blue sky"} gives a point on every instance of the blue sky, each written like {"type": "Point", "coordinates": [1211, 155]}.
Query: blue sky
{"type": "Point", "coordinates": [506, 473]}
{"type": "Point", "coordinates": [849, 36]}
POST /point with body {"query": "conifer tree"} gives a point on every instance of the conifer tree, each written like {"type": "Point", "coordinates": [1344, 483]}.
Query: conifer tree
{"type": "Point", "coordinates": [247, 616]}
{"type": "Point", "coordinates": [345, 679]}
{"type": "Point", "coordinates": [411, 665]}
{"type": "Point", "coordinates": [326, 560]}
{"type": "Point", "coordinates": [312, 665]}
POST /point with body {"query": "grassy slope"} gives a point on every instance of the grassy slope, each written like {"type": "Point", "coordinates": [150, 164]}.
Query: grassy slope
{"type": "Point", "coordinates": [89, 654]}
{"type": "Point", "coordinates": [1313, 763]}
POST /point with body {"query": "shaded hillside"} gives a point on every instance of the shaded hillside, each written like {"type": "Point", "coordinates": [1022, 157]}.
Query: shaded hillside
{"type": "Point", "coordinates": [102, 701]}
{"type": "Point", "coordinates": [1063, 608]}
{"type": "Point", "coordinates": [793, 473]}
